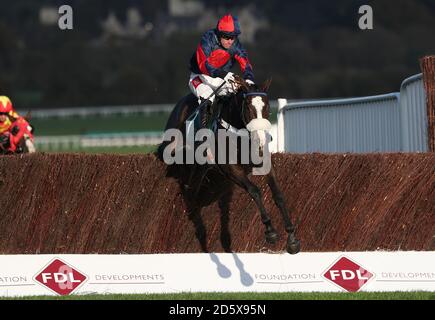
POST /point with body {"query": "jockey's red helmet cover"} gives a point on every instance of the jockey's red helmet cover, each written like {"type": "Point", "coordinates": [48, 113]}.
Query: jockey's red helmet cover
{"type": "Point", "coordinates": [228, 25]}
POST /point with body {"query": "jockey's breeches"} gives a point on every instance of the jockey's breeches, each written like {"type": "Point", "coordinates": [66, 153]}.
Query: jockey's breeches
{"type": "Point", "coordinates": [203, 86]}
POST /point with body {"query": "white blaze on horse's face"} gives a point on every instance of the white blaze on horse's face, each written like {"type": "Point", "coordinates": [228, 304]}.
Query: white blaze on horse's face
{"type": "Point", "coordinates": [258, 104]}
{"type": "Point", "coordinates": [259, 124]}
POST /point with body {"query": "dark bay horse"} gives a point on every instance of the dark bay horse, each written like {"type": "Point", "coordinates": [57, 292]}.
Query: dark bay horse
{"type": "Point", "coordinates": [203, 184]}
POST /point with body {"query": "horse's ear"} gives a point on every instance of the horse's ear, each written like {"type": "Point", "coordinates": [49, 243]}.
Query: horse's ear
{"type": "Point", "coordinates": [266, 85]}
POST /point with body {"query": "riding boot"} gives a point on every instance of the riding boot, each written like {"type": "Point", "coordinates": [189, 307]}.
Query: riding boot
{"type": "Point", "coordinates": [204, 114]}
{"type": "Point", "coordinates": [205, 121]}
{"type": "Point", "coordinates": [5, 143]}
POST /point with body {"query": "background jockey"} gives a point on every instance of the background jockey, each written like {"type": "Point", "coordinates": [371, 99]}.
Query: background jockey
{"type": "Point", "coordinates": [7, 114]}
{"type": "Point", "coordinates": [7, 117]}
{"type": "Point", "coordinates": [210, 64]}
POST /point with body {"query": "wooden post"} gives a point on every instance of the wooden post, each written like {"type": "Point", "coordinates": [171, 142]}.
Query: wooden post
{"type": "Point", "coordinates": [428, 67]}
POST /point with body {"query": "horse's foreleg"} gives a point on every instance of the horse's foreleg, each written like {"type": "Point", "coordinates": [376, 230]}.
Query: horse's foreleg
{"type": "Point", "coordinates": [293, 244]}
{"type": "Point", "coordinates": [224, 206]}
{"type": "Point", "coordinates": [239, 177]}
{"type": "Point", "coordinates": [200, 231]}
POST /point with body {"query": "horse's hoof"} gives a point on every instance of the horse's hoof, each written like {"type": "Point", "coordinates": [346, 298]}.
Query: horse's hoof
{"type": "Point", "coordinates": [271, 237]}
{"type": "Point", "coordinates": [294, 247]}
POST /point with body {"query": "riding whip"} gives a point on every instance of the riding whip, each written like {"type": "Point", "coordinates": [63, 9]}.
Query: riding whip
{"type": "Point", "coordinates": [211, 94]}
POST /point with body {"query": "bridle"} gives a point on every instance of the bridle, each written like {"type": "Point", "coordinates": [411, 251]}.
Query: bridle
{"type": "Point", "coordinates": [245, 95]}
{"type": "Point", "coordinates": [244, 131]}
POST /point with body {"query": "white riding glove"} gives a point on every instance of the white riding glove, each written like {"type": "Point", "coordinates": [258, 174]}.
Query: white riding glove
{"type": "Point", "coordinates": [229, 86]}
{"type": "Point", "coordinates": [229, 77]}
{"type": "Point", "coordinates": [250, 82]}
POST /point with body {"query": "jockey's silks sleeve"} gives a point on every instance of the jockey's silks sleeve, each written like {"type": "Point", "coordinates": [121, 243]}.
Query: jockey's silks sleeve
{"type": "Point", "coordinates": [242, 58]}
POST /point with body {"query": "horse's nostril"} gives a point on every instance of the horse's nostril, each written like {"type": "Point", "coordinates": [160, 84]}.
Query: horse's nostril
{"type": "Point", "coordinates": [260, 153]}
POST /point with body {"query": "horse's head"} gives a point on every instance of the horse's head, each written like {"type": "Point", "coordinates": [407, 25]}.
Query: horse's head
{"type": "Point", "coordinates": [255, 110]}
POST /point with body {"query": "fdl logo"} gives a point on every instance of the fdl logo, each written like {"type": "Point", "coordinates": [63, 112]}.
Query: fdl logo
{"type": "Point", "coordinates": [348, 274]}
{"type": "Point", "coordinates": [60, 277]}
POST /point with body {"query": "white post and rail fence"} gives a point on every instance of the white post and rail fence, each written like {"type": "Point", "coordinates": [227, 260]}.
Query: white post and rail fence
{"type": "Point", "coordinates": [403, 121]}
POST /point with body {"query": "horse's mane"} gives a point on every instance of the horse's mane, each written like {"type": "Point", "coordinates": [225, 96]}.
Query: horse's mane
{"type": "Point", "coordinates": [245, 87]}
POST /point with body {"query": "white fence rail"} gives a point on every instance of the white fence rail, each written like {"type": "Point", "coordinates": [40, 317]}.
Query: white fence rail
{"type": "Point", "coordinates": [383, 123]}
{"type": "Point", "coordinates": [105, 110]}
{"type": "Point", "coordinates": [98, 111]}
{"type": "Point", "coordinates": [413, 115]}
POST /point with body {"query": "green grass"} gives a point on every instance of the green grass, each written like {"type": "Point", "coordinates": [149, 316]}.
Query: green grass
{"type": "Point", "coordinates": [106, 124]}
{"type": "Point", "coordinates": [94, 124]}
{"type": "Point", "coordinates": [413, 295]}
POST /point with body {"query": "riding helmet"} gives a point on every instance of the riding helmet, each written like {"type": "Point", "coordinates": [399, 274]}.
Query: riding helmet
{"type": "Point", "coordinates": [228, 25]}
{"type": "Point", "coordinates": [5, 104]}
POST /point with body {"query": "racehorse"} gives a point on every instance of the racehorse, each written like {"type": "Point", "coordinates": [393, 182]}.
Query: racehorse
{"type": "Point", "coordinates": [203, 184]}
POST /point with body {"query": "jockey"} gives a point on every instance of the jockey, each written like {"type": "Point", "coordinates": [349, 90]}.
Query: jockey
{"type": "Point", "coordinates": [215, 55]}
{"type": "Point", "coordinates": [7, 114]}
{"type": "Point", "coordinates": [7, 117]}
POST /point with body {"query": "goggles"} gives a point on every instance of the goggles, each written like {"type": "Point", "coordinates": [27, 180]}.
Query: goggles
{"type": "Point", "coordinates": [227, 37]}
